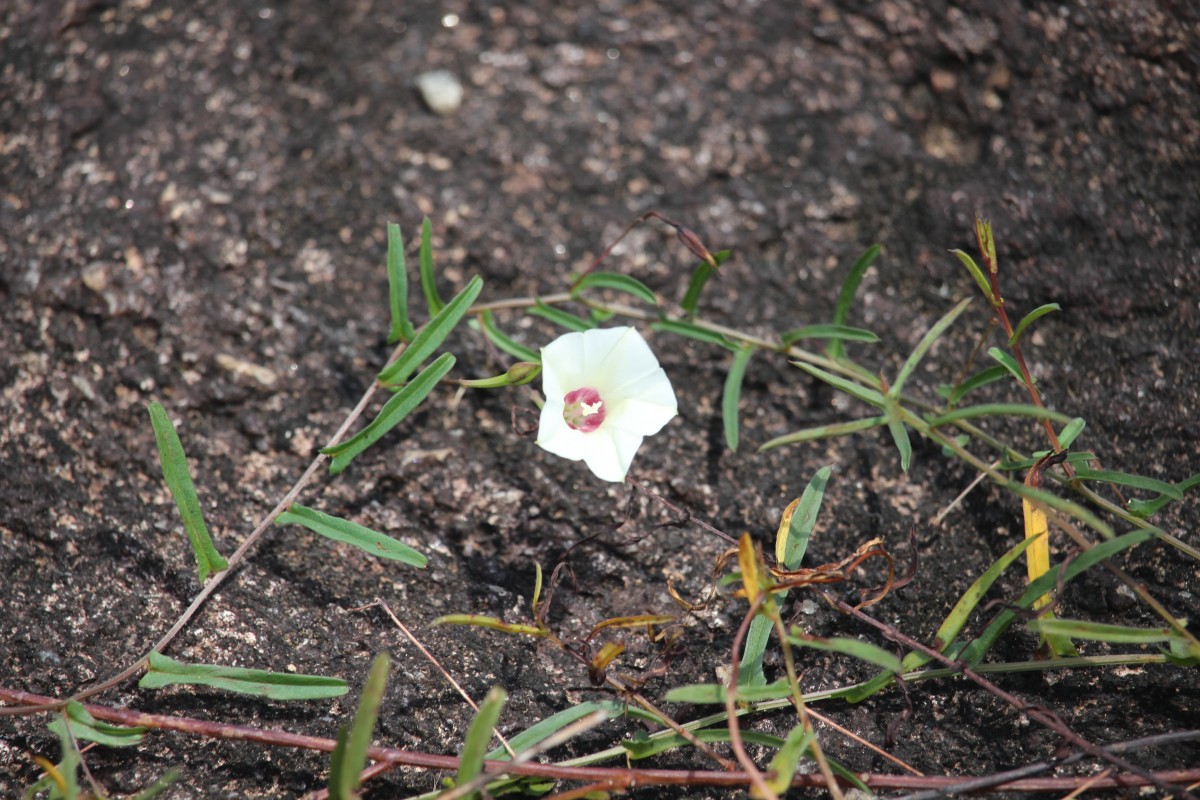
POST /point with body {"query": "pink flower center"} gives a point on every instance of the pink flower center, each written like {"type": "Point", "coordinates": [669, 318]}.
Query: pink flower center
{"type": "Point", "coordinates": [583, 409]}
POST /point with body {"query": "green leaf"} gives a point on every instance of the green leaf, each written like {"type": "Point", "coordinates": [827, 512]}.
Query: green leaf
{"type": "Point", "coordinates": [838, 332]}
{"type": "Point", "coordinates": [996, 410]}
{"type": "Point", "coordinates": [864, 651]}
{"type": "Point", "coordinates": [715, 693]}
{"type": "Point", "coordinates": [792, 542]}
{"type": "Point", "coordinates": [691, 331]}
{"type": "Point", "coordinates": [166, 671]}
{"type": "Point", "coordinates": [1144, 508]}
{"type": "Point", "coordinates": [518, 374]}
{"type": "Point", "coordinates": [431, 336]}
{"type": "Point", "coordinates": [479, 734]}
{"type": "Point", "coordinates": [700, 276]}
{"type": "Point", "coordinates": [397, 273]}
{"type": "Point", "coordinates": [536, 733]}
{"type": "Point", "coordinates": [492, 623]}
{"type": "Point", "coordinates": [1030, 318]}
{"type": "Point", "coordinates": [925, 344]}
{"type": "Point", "coordinates": [1009, 362]}
{"type": "Point", "coordinates": [350, 756]}
{"type": "Point", "coordinates": [562, 319]}
{"type": "Point", "coordinates": [67, 769]}
{"type": "Point", "coordinates": [428, 281]}
{"type": "Point", "coordinates": [1132, 481]}
{"type": "Point", "coordinates": [1099, 631]}
{"type": "Point", "coordinates": [841, 308]}
{"type": "Point", "coordinates": [951, 626]}
{"type": "Point", "coordinates": [1079, 458]}
{"type": "Point", "coordinates": [899, 434]}
{"type": "Point", "coordinates": [732, 393]}
{"type": "Point", "coordinates": [982, 378]}
{"type": "Point", "coordinates": [179, 482]}
{"type": "Point", "coordinates": [616, 282]}
{"type": "Point", "coordinates": [167, 780]}
{"type": "Point", "coordinates": [783, 766]}
{"type": "Point", "coordinates": [510, 346]}
{"type": "Point", "coordinates": [341, 530]}
{"type": "Point", "coordinates": [864, 393]}
{"type": "Point", "coordinates": [651, 746]}
{"type": "Point", "coordinates": [985, 285]}
{"type": "Point", "coordinates": [85, 727]}
{"type": "Point", "coordinates": [974, 652]}
{"type": "Point", "coordinates": [1071, 431]}
{"type": "Point", "coordinates": [399, 406]}
{"type": "Point", "coordinates": [824, 432]}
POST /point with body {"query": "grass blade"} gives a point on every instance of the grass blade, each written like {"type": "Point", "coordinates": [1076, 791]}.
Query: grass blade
{"type": "Point", "coordinates": [799, 519]}
{"type": "Point", "coordinates": [350, 756]}
{"type": "Point", "coordinates": [732, 394]}
{"type": "Point", "coordinates": [397, 273]}
{"type": "Point", "coordinates": [166, 671]}
{"type": "Point", "coordinates": [700, 276]}
{"type": "Point", "coordinates": [783, 765]}
{"type": "Point", "coordinates": [533, 735]}
{"type": "Point", "coordinates": [1009, 362]}
{"type": "Point", "coordinates": [1099, 631]}
{"type": "Point", "coordinates": [841, 308]}
{"type": "Point", "coordinates": [492, 623]}
{"type": "Point", "coordinates": [1144, 508]}
{"type": "Point", "coordinates": [824, 432]}
{"type": "Point", "coordinates": [428, 279]}
{"type": "Point", "coordinates": [431, 335]}
{"type": "Point", "coordinates": [899, 435]}
{"type": "Point", "coordinates": [923, 346]}
{"type": "Point", "coordinates": [179, 482]}
{"type": "Point", "coordinates": [399, 406]}
{"type": "Point", "coordinates": [616, 282]}
{"type": "Point", "coordinates": [1132, 481]}
{"type": "Point", "coordinates": [982, 378]}
{"type": "Point", "coordinates": [864, 651]}
{"type": "Point", "coordinates": [1030, 318]}
{"type": "Point", "coordinates": [479, 734]}
{"type": "Point", "coordinates": [341, 530]}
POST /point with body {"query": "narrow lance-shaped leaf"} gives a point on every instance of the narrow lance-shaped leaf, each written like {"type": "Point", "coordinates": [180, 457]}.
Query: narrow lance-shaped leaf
{"type": "Point", "coordinates": [981, 280]}
{"type": "Point", "coordinates": [864, 393]}
{"type": "Point", "coordinates": [864, 651]}
{"type": "Point", "coordinates": [492, 623]}
{"type": "Point", "coordinates": [732, 393]}
{"type": "Point", "coordinates": [479, 734]}
{"type": "Point", "coordinates": [1030, 318]}
{"type": "Point", "coordinates": [843, 332]}
{"type": "Point", "coordinates": [1009, 362]}
{"type": "Point", "coordinates": [1100, 631]}
{"type": "Point", "coordinates": [824, 432]}
{"type": "Point", "coordinates": [87, 728]}
{"type": "Point", "coordinates": [997, 410]}
{"type": "Point", "coordinates": [923, 346]}
{"type": "Point", "coordinates": [616, 282]}
{"type": "Point", "coordinates": [341, 530]}
{"type": "Point", "coordinates": [563, 319]}
{"type": "Point", "coordinates": [166, 671]}
{"type": "Point", "coordinates": [1144, 508]}
{"type": "Point", "coordinates": [700, 277]}
{"type": "Point", "coordinates": [691, 331]}
{"type": "Point", "coordinates": [783, 765]}
{"type": "Point", "coordinates": [505, 343]}
{"type": "Point", "coordinates": [179, 482]}
{"type": "Point", "coordinates": [402, 328]}
{"type": "Point", "coordinates": [350, 756]}
{"type": "Point", "coordinates": [431, 336]}
{"type": "Point", "coordinates": [841, 309]}
{"type": "Point", "coordinates": [1132, 481]}
{"type": "Point", "coordinates": [982, 378]}
{"type": "Point", "coordinates": [533, 735]}
{"type": "Point", "coordinates": [900, 438]}
{"type": "Point", "coordinates": [428, 279]}
{"type": "Point", "coordinates": [392, 414]}
{"type": "Point", "coordinates": [791, 540]}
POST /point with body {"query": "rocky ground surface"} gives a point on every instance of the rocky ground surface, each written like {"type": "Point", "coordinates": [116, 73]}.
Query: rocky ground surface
{"type": "Point", "coordinates": [193, 201]}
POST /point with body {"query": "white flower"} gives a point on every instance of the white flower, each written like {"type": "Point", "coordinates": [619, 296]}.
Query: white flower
{"type": "Point", "coordinates": [604, 392]}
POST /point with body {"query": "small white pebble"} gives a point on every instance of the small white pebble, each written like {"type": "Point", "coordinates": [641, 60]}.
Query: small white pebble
{"type": "Point", "coordinates": [441, 90]}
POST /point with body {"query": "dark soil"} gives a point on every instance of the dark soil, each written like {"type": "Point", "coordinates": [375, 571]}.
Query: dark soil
{"type": "Point", "coordinates": [193, 199]}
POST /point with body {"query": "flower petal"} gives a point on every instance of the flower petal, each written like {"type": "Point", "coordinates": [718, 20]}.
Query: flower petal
{"type": "Point", "coordinates": [610, 452]}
